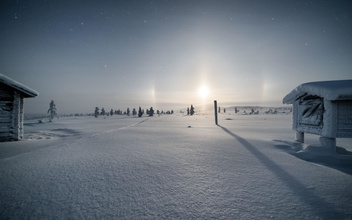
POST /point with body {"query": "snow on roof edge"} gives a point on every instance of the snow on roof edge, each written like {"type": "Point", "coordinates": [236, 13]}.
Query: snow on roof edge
{"type": "Point", "coordinates": [19, 86]}
{"type": "Point", "coordinates": [330, 90]}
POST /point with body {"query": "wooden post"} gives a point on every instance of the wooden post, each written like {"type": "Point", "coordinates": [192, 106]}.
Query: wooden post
{"type": "Point", "coordinates": [300, 136]}
{"type": "Point", "coordinates": [216, 112]}
{"type": "Point", "coordinates": [329, 143]}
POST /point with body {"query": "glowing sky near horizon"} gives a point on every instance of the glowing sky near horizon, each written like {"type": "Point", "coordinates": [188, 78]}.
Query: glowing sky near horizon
{"type": "Point", "coordinates": [118, 54]}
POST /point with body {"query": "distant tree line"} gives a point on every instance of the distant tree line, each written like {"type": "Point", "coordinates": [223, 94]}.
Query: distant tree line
{"type": "Point", "coordinates": [140, 113]}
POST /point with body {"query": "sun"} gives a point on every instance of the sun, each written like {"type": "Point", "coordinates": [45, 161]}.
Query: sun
{"type": "Point", "coordinates": [203, 91]}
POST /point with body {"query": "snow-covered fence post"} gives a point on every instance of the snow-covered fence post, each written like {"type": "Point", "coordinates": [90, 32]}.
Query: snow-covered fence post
{"type": "Point", "coordinates": [215, 111]}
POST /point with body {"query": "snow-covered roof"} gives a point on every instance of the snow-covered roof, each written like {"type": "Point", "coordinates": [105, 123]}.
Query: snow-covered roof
{"type": "Point", "coordinates": [28, 92]}
{"type": "Point", "coordinates": [329, 90]}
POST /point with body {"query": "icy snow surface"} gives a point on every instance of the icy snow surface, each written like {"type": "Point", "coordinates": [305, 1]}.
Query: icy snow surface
{"type": "Point", "coordinates": [330, 90]}
{"type": "Point", "coordinates": [172, 167]}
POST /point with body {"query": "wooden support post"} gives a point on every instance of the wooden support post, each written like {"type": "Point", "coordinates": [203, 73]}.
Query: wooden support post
{"type": "Point", "coordinates": [329, 143]}
{"type": "Point", "coordinates": [216, 112]}
{"type": "Point", "coordinates": [300, 136]}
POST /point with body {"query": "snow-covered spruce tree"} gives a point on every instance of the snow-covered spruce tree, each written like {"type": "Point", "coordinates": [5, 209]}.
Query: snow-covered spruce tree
{"type": "Point", "coordinates": [191, 110]}
{"type": "Point", "coordinates": [140, 113]}
{"type": "Point", "coordinates": [147, 111]}
{"type": "Point", "coordinates": [187, 111]}
{"type": "Point", "coordinates": [111, 112]}
{"type": "Point", "coordinates": [128, 112]}
{"type": "Point", "coordinates": [134, 112]}
{"type": "Point", "coordinates": [151, 111]}
{"type": "Point", "coordinates": [96, 112]}
{"type": "Point", "coordinates": [102, 112]}
{"type": "Point", "coordinates": [52, 110]}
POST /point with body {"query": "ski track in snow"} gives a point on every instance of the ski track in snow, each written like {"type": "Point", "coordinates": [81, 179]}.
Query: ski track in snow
{"type": "Point", "coordinates": [170, 167]}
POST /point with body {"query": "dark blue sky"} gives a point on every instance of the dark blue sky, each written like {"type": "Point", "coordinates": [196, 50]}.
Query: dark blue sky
{"type": "Point", "coordinates": [118, 54]}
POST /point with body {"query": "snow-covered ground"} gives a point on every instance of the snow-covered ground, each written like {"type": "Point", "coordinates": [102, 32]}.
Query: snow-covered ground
{"type": "Point", "coordinates": [172, 167]}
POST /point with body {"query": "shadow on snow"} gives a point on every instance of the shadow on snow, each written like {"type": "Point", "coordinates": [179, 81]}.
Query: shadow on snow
{"type": "Point", "coordinates": [318, 205]}
{"type": "Point", "coordinates": [341, 160]}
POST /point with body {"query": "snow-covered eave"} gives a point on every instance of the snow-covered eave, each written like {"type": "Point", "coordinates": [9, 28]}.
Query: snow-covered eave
{"type": "Point", "coordinates": [329, 90]}
{"type": "Point", "coordinates": [28, 92]}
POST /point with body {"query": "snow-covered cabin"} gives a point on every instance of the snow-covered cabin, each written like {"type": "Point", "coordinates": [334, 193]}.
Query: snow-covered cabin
{"type": "Point", "coordinates": [323, 108]}
{"type": "Point", "coordinates": [12, 94]}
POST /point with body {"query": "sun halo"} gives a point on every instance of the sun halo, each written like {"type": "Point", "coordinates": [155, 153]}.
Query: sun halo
{"type": "Point", "coordinates": [203, 91]}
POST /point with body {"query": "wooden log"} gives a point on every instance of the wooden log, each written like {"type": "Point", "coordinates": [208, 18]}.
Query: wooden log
{"type": "Point", "coordinates": [4, 129]}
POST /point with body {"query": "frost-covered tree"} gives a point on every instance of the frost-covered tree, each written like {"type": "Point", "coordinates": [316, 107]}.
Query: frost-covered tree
{"type": "Point", "coordinates": [191, 111]}
{"type": "Point", "coordinates": [224, 110]}
{"type": "Point", "coordinates": [187, 111]}
{"type": "Point", "coordinates": [158, 112]}
{"type": "Point", "coordinates": [111, 112]}
{"type": "Point", "coordinates": [103, 112]}
{"type": "Point", "coordinates": [140, 112]}
{"type": "Point", "coordinates": [96, 112]}
{"type": "Point", "coordinates": [147, 111]}
{"type": "Point", "coordinates": [134, 112]}
{"type": "Point", "coordinates": [128, 111]}
{"type": "Point", "coordinates": [52, 110]}
{"type": "Point", "coordinates": [151, 111]}
{"type": "Point", "coordinates": [219, 109]}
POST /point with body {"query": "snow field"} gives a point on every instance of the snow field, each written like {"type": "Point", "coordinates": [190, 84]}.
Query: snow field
{"type": "Point", "coordinates": [169, 167]}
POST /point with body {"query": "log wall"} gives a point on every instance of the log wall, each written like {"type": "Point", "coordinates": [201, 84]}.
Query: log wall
{"type": "Point", "coordinates": [11, 114]}
{"type": "Point", "coordinates": [344, 119]}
